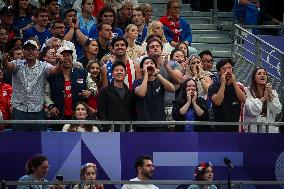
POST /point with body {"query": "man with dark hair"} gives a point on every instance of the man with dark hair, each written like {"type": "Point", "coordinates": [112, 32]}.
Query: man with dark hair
{"type": "Point", "coordinates": [145, 169]}
{"type": "Point", "coordinates": [227, 96]}
{"type": "Point", "coordinates": [105, 35]}
{"type": "Point", "coordinates": [116, 100]}
{"type": "Point", "coordinates": [138, 20]}
{"type": "Point", "coordinates": [39, 30]}
{"type": "Point", "coordinates": [53, 9]}
{"type": "Point", "coordinates": [207, 64]}
{"type": "Point", "coordinates": [73, 32]}
{"type": "Point", "coordinates": [29, 80]}
{"type": "Point", "coordinates": [119, 46]}
{"type": "Point", "coordinates": [57, 29]}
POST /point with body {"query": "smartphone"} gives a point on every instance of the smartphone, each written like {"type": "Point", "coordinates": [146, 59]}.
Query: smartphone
{"type": "Point", "coordinates": [59, 177]}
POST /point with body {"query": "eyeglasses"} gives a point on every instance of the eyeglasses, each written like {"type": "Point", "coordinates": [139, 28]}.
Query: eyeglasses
{"type": "Point", "coordinates": [88, 165]}
{"type": "Point", "coordinates": [2, 34]}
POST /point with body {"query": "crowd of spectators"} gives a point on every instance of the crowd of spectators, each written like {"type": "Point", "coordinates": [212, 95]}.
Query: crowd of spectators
{"type": "Point", "coordinates": [117, 64]}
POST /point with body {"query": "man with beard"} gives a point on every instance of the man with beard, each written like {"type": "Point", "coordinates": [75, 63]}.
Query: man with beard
{"type": "Point", "coordinates": [39, 30]}
{"type": "Point", "coordinates": [66, 88]}
{"type": "Point", "coordinates": [145, 169]}
{"type": "Point", "coordinates": [115, 102]}
{"type": "Point", "coordinates": [119, 45]}
{"type": "Point", "coordinates": [29, 79]}
{"type": "Point", "coordinates": [57, 29]}
{"type": "Point", "coordinates": [53, 9]}
{"type": "Point", "coordinates": [227, 96]}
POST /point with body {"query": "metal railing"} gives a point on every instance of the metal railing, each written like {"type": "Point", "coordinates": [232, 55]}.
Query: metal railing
{"type": "Point", "coordinates": [250, 51]}
{"type": "Point", "coordinates": [131, 124]}
{"type": "Point", "coordinates": [70, 184]}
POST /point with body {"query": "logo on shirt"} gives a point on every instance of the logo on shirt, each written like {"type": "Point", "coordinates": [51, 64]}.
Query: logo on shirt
{"type": "Point", "coordinates": [158, 89]}
{"type": "Point", "coordinates": [80, 81]}
{"type": "Point", "coordinates": [68, 88]}
{"type": "Point", "coordinates": [4, 93]}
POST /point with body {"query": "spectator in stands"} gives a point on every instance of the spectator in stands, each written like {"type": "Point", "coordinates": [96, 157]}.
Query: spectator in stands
{"type": "Point", "coordinates": [150, 95]}
{"type": "Point", "coordinates": [16, 53]}
{"type": "Point", "coordinates": [138, 20]}
{"type": "Point", "coordinates": [81, 112]}
{"type": "Point", "coordinates": [40, 30]}
{"type": "Point", "coordinates": [90, 52]}
{"type": "Point", "coordinates": [207, 60]}
{"type": "Point", "coordinates": [5, 96]}
{"type": "Point", "coordinates": [134, 51]}
{"type": "Point", "coordinates": [89, 172]}
{"type": "Point", "coordinates": [119, 46]}
{"type": "Point", "coordinates": [105, 35]}
{"type": "Point", "coordinates": [202, 77]}
{"type": "Point", "coordinates": [66, 88]}
{"type": "Point", "coordinates": [106, 15]}
{"type": "Point", "coordinates": [57, 29]}
{"type": "Point", "coordinates": [207, 64]}
{"type": "Point", "coordinates": [115, 102]}
{"type": "Point", "coordinates": [54, 42]}
{"type": "Point", "coordinates": [147, 11]}
{"type": "Point", "coordinates": [178, 56]}
{"type": "Point", "coordinates": [23, 15]}
{"type": "Point", "coordinates": [86, 20]}
{"type": "Point", "coordinates": [176, 28]}
{"type": "Point", "coordinates": [36, 170]}
{"type": "Point", "coordinates": [145, 169]}
{"type": "Point", "coordinates": [262, 103]}
{"type": "Point", "coordinates": [94, 69]}
{"type": "Point", "coordinates": [34, 72]}
{"type": "Point", "coordinates": [7, 18]}
{"type": "Point", "coordinates": [15, 42]}
{"type": "Point", "coordinates": [155, 28]}
{"type": "Point", "coordinates": [203, 172]}
{"type": "Point", "coordinates": [125, 14]}
{"type": "Point", "coordinates": [48, 54]}
{"type": "Point", "coordinates": [72, 31]}
{"type": "Point", "coordinates": [3, 41]}
{"type": "Point", "coordinates": [227, 96]}
{"type": "Point", "coordinates": [246, 11]}
{"type": "Point", "coordinates": [190, 107]}
{"type": "Point", "coordinates": [187, 50]}
{"type": "Point", "coordinates": [53, 10]}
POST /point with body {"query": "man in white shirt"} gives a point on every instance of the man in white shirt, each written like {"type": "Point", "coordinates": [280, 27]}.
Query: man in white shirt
{"type": "Point", "coordinates": [145, 168]}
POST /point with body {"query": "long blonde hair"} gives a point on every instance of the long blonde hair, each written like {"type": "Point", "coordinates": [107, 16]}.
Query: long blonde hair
{"type": "Point", "coordinates": [151, 28]}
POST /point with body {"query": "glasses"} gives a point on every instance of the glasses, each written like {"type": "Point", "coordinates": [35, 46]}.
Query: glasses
{"type": "Point", "coordinates": [52, 53]}
{"type": "Point", "coordinates": [2, 34]}
{"type": "Point", "coordinates": [88, 165]}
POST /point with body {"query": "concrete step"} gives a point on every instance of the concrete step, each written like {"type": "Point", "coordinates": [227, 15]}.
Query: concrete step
{"type": "Point", "coordinates": [221, 54]}
{"type": "Point", "coordinates": [211, 32]}
{"type": "Point", "coordinates": [225, 27]}
{"type": "Point", "coordinates": [213, 40]}
{"type": "Point", "coordinates": [212, 47]}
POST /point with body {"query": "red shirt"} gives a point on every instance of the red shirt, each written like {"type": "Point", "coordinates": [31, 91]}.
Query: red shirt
{"type": "Point", "coordinates": [5, 99]}
{"type": "Point", "coordinates": [67, 99]}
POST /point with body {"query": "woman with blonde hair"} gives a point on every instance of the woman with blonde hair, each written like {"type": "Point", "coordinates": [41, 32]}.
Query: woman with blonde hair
{"type": "Point", "coordinates": [156, 28]}
{"type": "Point", "coordinates": [133, 51]}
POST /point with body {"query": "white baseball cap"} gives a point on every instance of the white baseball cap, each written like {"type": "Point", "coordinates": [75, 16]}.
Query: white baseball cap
{"type": "Point", "coordinates": [31, 42]}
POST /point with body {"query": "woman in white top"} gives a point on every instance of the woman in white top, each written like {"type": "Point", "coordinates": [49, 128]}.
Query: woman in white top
{"type": "Point", "coordinates": [81, 112]}
{"type": "Point", "coordinates": [133, 51]}
{"type": "Point", "coordinates": [262, 103]}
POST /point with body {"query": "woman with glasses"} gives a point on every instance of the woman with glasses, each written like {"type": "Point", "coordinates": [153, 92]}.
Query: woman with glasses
{"type": "Point", "coordinates": [188, 106]}
{"type": "Point", "coordinates": [36, 170]}
{"type": "Point", "coordinates": [203, 172]}
{"type": "Point", "coordinates": [48, 54]}
{"type": "Point", "coordinates": [89, 173]}
{"type": "Point", "coordinates": [262, 102]}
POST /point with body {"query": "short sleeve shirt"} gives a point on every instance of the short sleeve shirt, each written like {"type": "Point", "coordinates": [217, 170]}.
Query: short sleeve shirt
{"type": "Point", "coordinates": [28, 85]}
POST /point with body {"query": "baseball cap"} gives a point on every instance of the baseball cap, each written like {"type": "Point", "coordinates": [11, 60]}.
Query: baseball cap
{"type": "Point", "coordinates": [6, 10]}
{"type": "Point", "coordinates": [31, 42]}
{"type": "Point", "coordinates": [64, 49]}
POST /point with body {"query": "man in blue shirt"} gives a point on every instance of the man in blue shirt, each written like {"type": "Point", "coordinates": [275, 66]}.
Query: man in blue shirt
{"type": "Point", "coordinates": [39, 30]}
